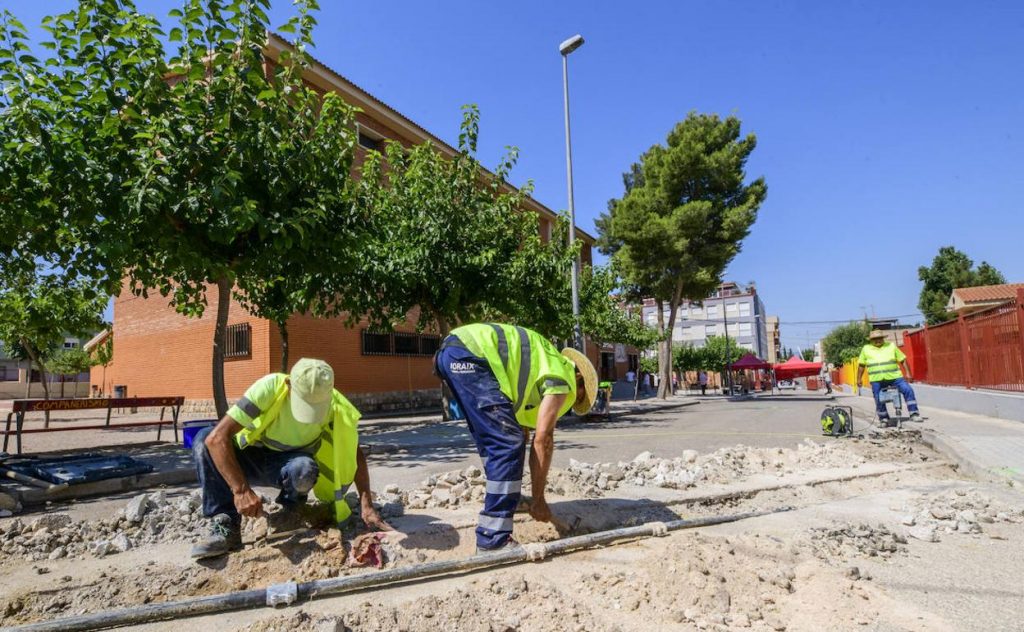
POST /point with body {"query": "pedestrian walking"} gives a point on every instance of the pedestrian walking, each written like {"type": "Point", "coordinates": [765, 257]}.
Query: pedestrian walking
{"type": "Point", "coordinates": [702, 379]}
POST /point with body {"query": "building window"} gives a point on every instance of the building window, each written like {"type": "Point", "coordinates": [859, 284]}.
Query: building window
{"type": "Point", "coordinates": [734, 329]}
{"type": "Point", "coordinates": [376, 344]}
{"type": "Point", "coordinates": [745, 329]}
{"type": "Point", "coordinates": [710, 330]}
{"type": "Point", "coordinates": [712, 311]}
{"type": "Point", "coordinates": [369, 142]}
{"type": "Point", "coordinates": [744, 309]}
{"type": "Point", "coordinates": [732, 308]}
{"type": "Point", "coordinates": [238, 341]}
{"type": "Point", "coordinates": [400, 344]}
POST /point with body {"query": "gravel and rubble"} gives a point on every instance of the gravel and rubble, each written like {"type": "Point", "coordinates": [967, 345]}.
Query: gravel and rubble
{"type": "Point", "coordinates": [962, 511]}
{"type": "Point", "coordinates": [446, 490]}
{"type": "Point", "coordinates": [845, 542]}
{"type": "Point", "coordinates": [145, 519]}
{"type": "Point", "coordinates": [692, 468]}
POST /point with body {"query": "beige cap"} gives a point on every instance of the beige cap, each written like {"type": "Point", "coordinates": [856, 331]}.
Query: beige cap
{"type": "Point", "coordinates": [312, 386]}
{"type": "Point", "coordinates": [878, 333]}
{"type": "Point", "coordinates": [586, 369]}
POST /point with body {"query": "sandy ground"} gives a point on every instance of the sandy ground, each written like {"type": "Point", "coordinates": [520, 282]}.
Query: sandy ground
{"type": "Point", "coordinates": [842, 559]}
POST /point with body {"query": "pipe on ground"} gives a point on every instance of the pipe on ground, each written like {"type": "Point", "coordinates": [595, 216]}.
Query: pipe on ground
{"type": "Point", "coordinates": [291, 592]}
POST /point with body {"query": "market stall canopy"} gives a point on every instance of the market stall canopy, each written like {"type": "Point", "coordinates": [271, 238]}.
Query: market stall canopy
{"type": "Point", "coordinates": [795, 367]}
{"type": "Point", "coordinates": [750, 361]}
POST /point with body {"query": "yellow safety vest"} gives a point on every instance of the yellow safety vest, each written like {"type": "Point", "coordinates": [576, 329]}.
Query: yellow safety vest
{"type": "Point", "coordinates": [526, 365]}
{"type": "Point", "coordinates": [336, 455]}
{"type": "Point", "coordinates": [882, 362]}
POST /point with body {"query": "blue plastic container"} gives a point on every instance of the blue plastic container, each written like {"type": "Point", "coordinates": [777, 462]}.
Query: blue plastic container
{"type": "Point", "coordinates": [190, 429]}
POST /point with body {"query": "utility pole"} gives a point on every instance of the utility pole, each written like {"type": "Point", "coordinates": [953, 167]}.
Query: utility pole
{"type": "Point", "coordinates": [565, 48]}
{"type": "Point", "coordinates": [728, 354]}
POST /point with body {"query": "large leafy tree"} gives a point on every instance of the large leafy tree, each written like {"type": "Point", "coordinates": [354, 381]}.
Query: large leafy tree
{"type": "Point", "coordinates": [454, 241]}
{"type": "Point", "coordinates": [65, 362]}
{"type": "Point", "coordinates": [685, 213]}
{"type": "Point", "coordinates": [950, 269]}
{"type": "Point", "coordinates": [603, 313]}
{"type": "Point", "coordinates": [843, 343]}
{"type": "Point", "coordinates": [720, 351]}
{"type": "Point", "coordinates": [37, 309]}
{"type": "Point", "coordinates": [211, 167]}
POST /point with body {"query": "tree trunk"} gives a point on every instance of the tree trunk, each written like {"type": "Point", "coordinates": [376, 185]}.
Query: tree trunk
{"type": "Point", "coordinates": [282, 328]}
{"type": "Point", "coordinates": [220, 398]}
{"type": "Point", "coordinates": [665, 359]}
{"type": "Point", "coordinates": [62, 386]}
{"type": "Point", "coordinates": [34, 358]}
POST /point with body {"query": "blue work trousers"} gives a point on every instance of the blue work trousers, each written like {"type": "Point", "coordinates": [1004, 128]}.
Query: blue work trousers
{"type": "Point", "coordinates": [499, 438]}
{"type": "Point", "coordinates": [905, 390]}
{"type": "Point", "coordinates": [294, 473]}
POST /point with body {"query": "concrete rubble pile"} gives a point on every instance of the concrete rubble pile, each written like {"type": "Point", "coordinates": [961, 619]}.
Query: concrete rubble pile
{"type": "Point", "coordinates": [691, 468]}
{"type": "Point", "coordinates": [843, 542]}
{"type": "Point", "coordinates": [450, 489]}
{"type": "Point", "coordinates": [960, 511]}
{"type": "Point", "coordinates": [146, 519]}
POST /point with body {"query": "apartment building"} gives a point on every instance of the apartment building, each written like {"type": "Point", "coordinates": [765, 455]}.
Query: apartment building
{"type": "Point", "coordinates": [738, 310]}
{"type": "Point", "coordinates": [160, 352]}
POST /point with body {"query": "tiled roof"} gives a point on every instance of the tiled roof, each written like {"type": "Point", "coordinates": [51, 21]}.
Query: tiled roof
{"type": "Point", "coordinates": [988, 293]}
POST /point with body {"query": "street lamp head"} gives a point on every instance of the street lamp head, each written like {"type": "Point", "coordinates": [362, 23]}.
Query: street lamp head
{"type": "Point", "coordinates": [570, 44]}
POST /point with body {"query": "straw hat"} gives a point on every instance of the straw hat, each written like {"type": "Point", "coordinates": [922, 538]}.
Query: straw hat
{"type": "Point", "coordinates": [876, 334]}
{"type": "Point", "coordinates": [586, 369]}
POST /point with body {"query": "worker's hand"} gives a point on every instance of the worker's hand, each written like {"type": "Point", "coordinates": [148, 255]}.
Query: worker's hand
{"type": "Point", "coordinates": [539, 509]}
{"type": "Point", "coordinates": [248, 503]}
{"type": "Point", "coordinates": [373, 520]}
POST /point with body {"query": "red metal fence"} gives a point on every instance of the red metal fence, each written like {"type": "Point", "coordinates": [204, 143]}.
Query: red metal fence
{"type": "Point", "coordinates": [982, 350]}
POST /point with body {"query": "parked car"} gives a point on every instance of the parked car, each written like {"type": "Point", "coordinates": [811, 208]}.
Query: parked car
{"type": "Point", "coordinates": [790, 384]}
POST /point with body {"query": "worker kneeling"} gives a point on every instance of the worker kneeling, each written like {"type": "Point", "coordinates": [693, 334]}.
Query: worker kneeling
{"type": "Point", "coordinates": [510, 380]}
{"type": "Point", "coordinates": [294, 432]}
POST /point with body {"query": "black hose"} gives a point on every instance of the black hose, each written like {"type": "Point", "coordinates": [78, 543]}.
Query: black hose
{"type": "Point", "coordinates": [309, 590]}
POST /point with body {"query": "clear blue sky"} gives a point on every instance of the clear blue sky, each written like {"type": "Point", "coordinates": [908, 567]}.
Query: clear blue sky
{"type": "Point", "coordinates": [885, 129]}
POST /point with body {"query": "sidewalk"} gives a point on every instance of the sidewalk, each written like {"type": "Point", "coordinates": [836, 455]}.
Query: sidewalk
{"type": "Point", "coordinates": [985, 446]}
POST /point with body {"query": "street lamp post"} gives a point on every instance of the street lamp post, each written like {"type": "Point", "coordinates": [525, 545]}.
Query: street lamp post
{"type": "Point", "coordinates": [565, 48]}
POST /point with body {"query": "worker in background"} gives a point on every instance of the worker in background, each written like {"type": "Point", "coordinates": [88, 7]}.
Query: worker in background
{"type": "Point", "coordinates": [511, 381]}
{"type": "Point", "coordinates": [826, 378]}
{"type": "Point", "coordinates": [883, 360]}
{"type": "Point", "coordinates": [294, 432]}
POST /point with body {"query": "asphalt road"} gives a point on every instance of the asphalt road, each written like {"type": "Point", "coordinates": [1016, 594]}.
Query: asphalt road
{"type": "Point", "coordinates": [408, 456]}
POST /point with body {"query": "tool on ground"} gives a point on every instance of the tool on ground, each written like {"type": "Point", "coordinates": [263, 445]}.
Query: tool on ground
{"type": "Point", "coordinates": [837, 421]}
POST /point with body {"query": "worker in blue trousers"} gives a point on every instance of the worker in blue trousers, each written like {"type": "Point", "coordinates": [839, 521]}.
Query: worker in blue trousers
{"type": "Point", "coordinates": [510, 381]}
{"type": "Point", "coordinates": [883, 360]}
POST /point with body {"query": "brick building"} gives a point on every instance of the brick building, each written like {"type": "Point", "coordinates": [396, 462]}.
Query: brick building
{"type": "Point", "coordinates": [159, 352]}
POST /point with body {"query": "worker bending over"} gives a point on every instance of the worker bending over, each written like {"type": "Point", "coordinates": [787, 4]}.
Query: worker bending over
{"type": "Point", "coordinates": [511, 380]}
{"type": "Point", "coordinates": [294, 432]}
{"type": "Point", "coordinates": [883, 360]}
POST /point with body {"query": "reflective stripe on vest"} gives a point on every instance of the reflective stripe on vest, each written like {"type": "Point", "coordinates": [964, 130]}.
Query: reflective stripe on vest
{"type": "Point", "coordinates": [334, 450]}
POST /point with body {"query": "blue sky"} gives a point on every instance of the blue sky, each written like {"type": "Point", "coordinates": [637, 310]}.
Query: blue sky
{"type": "Point", "coordinates": [885, 129]}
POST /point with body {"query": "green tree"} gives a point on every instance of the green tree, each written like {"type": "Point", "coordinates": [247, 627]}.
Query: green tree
{"type": "Point", "coordinates": [212, 168]}
{"type": "Point", "coordinates": [684, 215]}
{"type": "Point", "coordinates": [602, 314]}
{"type": "Point", "coordinates": [950, 269]}
{"type": "Point", "coordinates": [456, 242]}
{"type": "Point", "coordinates": [38, 310]}
{"type": "Point", "coordinates": [69, 362]}
{"type": "Point", "coordinates": [719, 353]}
{"type": "Point", "coordinates": [807, 354]}
{"type": "Point", "coordinates": [686, 357]}
{"type": "Point", "coordinates": [843, 344]}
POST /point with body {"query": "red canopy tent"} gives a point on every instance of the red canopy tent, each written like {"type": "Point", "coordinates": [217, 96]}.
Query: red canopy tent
{"type": "Point", "coordinates": [795, 367]}
{"type": "Point", "coordinates": [750, 361]}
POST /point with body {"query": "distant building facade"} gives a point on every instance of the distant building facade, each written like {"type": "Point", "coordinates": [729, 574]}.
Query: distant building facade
{"type": "Point", "coordinates": [738, 308]}
{"type": "Point", "coordinates": [966, 300]}
{"type": "Point", "coordinates": [774, 339]}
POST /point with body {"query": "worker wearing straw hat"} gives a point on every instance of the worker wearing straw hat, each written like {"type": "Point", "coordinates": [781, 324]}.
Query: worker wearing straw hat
{"type": "Point", "coordinates": [511, 381]}
{"type": "Point", "coordinates": [882, 360]}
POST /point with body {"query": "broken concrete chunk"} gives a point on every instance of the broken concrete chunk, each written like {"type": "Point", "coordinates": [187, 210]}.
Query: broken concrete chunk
{"type": "Point", "coordinates": [136, 508]}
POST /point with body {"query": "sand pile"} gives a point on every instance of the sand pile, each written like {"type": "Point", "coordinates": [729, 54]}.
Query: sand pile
{"type": "Point", "coordinates": [692, 468]}
{"type": "Point", "coordinates": [146, 519]}
{"type": "Point", "coordinates": [503, 602]}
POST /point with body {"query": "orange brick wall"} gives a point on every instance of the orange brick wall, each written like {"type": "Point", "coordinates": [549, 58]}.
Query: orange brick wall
{"type": "Point", "coordinates": [160, 352]}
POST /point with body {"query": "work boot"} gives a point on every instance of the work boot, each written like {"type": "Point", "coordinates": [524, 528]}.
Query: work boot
{"type": "Point", "coordinates": [916, 417]}
{"type": "Point", "coordinates": [225, 535]}
{"type": "Point", "coordinates": [511, 545]}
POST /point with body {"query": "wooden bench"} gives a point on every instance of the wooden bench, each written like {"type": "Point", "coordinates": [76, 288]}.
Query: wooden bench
{"type": "Point", "coordinates": [22, 406]}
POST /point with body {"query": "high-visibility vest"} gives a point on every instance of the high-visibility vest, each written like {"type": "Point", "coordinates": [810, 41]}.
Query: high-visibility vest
{"type": "Point", "coordinates": [336, 455]}
{"type": "Point", "coordinates": [882, 362]}
{"type": "Point", "coordinates": [526, 365]}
